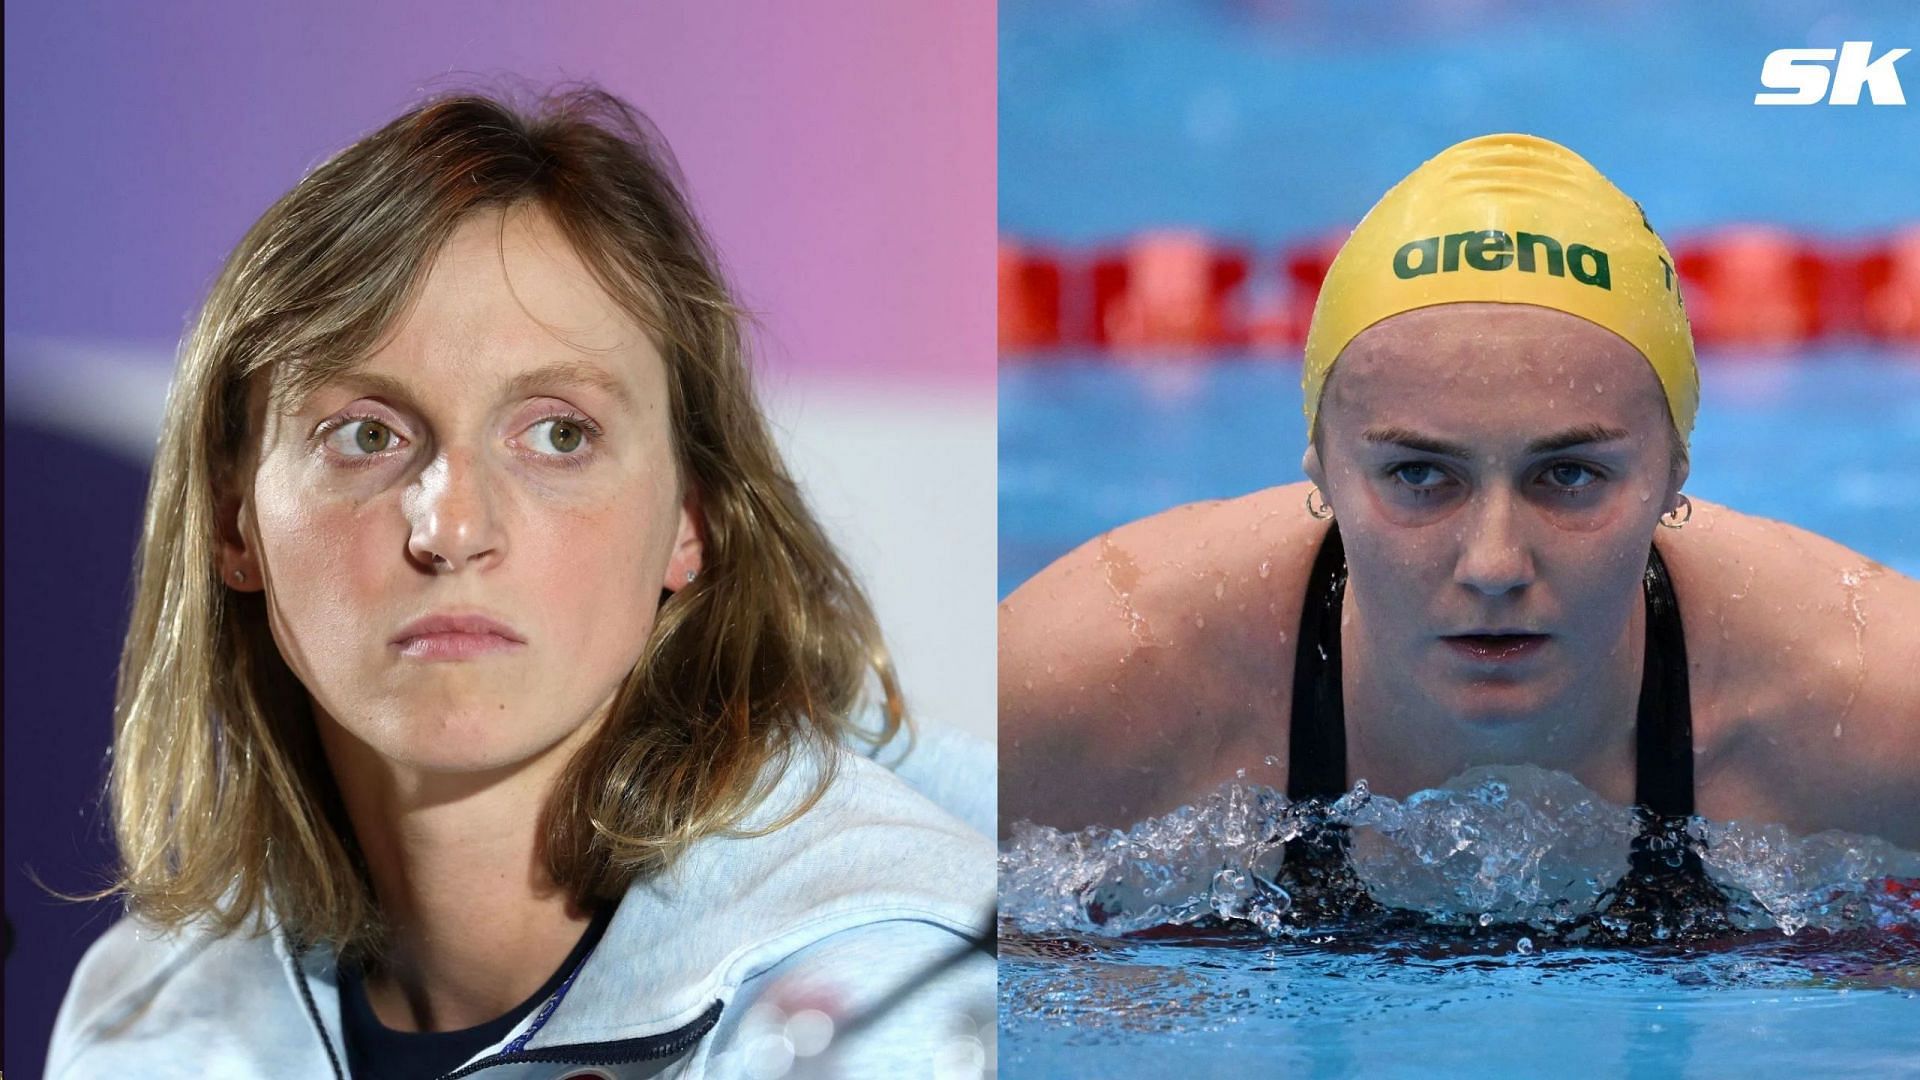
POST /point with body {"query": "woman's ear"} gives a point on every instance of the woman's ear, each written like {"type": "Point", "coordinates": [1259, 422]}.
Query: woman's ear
{"type": "Point", "coordinates": [1310, 464]}
{"type": "Point", "coordinates": [689, 544]}
{"type": "Point", "coordinates": [235, 555]}
{"type": "Point", "coordinates": [1680, 472]}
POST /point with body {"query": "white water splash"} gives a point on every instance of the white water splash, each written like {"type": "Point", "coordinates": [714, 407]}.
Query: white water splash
{"type": "Point", "coordinates": [1512, 844]}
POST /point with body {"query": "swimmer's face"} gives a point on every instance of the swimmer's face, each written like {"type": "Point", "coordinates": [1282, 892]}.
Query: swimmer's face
{"type": "Point", "coordinates": [1494, 468]}
{"type": "Point", "coordinates": [507, 452]}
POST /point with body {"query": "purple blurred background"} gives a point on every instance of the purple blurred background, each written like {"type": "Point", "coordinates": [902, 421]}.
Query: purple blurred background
{"type": "Point", "coordinates": [842, 156]}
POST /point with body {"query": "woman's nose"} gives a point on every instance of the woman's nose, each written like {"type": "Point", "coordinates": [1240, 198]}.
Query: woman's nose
{"type": "Point", "coordinates": [452, 513]}
{"type": "Point", "coordinates": [1494, 555]}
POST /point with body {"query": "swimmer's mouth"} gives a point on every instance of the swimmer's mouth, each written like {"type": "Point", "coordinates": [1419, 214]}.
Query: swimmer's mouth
{"type": "Point", "coordinates": [1497, 646]}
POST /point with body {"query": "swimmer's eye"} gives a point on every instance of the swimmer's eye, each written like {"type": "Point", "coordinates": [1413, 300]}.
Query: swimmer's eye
{"type": "Point", "coordinates": [1572, 476]}
{"type": "Point", "coordinates": [1418, 477]}
{"type": "Point", "coordinates": [1423, 479]}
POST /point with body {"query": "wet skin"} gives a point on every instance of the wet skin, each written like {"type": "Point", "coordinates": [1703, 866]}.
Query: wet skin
{"type": "Point", "coordinates": [1155, 662]}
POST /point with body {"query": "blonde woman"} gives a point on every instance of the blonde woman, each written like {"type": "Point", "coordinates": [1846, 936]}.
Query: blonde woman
{"type": "Point", "coordinates": [485, 704]}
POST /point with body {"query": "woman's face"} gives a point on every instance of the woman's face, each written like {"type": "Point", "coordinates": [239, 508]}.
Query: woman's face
{"type": "Point", "coordinates": [1495, 468]}
{"type": "Point", "coordinates": [506, 454]}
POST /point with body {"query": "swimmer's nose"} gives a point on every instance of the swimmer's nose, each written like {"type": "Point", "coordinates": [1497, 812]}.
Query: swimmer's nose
{"type": "Point", "coordinates": [1494, 557]}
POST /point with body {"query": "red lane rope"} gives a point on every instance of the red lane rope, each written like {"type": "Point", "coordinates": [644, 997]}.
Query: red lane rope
{"type": "Point", "coordinates": [1751, 287]}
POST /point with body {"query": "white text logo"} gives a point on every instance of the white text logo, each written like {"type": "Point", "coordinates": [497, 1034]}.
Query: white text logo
{"type": "Point", "coordinates": [1801, 76]}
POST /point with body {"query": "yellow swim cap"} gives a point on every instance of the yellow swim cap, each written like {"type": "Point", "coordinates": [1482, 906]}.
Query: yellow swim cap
{"type": "Point", "coordinates": [1514, 219]}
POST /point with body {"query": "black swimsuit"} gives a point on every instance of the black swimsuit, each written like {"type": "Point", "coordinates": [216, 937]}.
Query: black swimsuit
{"type": "Point", "coordinates": [1664, 874]}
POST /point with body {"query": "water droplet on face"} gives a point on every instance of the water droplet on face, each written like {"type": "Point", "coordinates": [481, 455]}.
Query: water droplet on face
{"type": "Point", "coordinates": [1266, 567]}
{"type": "Point", "coordinates": [1271, 760]}
{"type": "Point", "coordinates": [1219, 589]}
{"type": "Point", "coordinates": [1199, 622]}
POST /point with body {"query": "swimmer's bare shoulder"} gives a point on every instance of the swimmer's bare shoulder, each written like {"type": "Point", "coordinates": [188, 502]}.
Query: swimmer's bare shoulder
{"type": "Point", "coordinates": [1804, 659]}
{"type": "Point", "coordinates": [1149, 665]}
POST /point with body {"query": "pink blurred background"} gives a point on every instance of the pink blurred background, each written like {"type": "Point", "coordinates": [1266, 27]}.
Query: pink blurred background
{"type": "Point", "coordinates": [842, 154]}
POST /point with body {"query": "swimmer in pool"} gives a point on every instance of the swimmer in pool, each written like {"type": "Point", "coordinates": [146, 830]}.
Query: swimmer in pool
{"type": "Point", "coordinates": [1492, 561]}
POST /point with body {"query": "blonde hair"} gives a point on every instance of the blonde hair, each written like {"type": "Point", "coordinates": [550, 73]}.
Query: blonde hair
{"type": "Point", "coordinates": [223, 805]}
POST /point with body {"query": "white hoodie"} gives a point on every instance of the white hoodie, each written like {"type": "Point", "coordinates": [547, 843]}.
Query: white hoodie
{"type": "Point", "coordinates": [875, 908]}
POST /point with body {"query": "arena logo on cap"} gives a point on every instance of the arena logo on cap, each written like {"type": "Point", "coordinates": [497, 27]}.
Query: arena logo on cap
{"type": "Point", "coordinates": [1491, 249]}
{"type": "Point", "coordinates": [1801, 77]}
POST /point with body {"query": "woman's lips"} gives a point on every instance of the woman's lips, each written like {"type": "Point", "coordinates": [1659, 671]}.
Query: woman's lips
{"type": "Point", "coordinates": [447, 645]}
{"type": "Point", "coordinates": [1497, 648]}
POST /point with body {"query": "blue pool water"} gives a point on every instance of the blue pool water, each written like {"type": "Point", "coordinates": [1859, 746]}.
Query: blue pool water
{"type": "Point", "coordinates": [1244, 1007]}
{"type": "Point", "coordinates": [1823, 979]}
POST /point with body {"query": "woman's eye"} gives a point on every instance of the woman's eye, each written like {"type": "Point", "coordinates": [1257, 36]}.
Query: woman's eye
{"type": "Point", "coordinates": [362, 437]}
{"type": "Point", "coordinates": [1572, 477]}
{"type": "Point", "coordinates": [563, 435]}
{"type": "Point", "coordinates": [1418, 475]}
{"type": "Point", "coordinates": [359, 437]}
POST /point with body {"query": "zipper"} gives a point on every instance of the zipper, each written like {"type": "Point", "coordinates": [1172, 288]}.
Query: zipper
{"type": "Point", "coordinates": [617, 1052]}
{"type": "Point", "coordinates": [313, 1011]}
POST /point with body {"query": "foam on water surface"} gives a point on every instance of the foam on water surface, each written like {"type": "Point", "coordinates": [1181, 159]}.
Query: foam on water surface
{"type": "Point", "coordinates": [1509, 845]}
{"type": "Point", "coordinates": [1172, 941]}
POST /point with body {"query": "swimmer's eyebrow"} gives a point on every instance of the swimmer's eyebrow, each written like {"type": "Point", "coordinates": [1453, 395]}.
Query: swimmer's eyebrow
{"type": "Point", "coordinates": [559, 374]}
{"type": "Point", "coordinates": [1413, 440]}
{"type": "Point", "coordinates": [1572, 437]}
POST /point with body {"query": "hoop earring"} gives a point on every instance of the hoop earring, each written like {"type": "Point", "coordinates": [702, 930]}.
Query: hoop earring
{"type": "Point", "coordinates": [1686, 504]}
{"type": "Point", "coordinates": [1325, 510]}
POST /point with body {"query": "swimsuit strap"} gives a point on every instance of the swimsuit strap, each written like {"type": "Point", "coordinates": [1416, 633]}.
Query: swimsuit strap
{"type": "Point", "coordinates": [1663, 774]}
{"type": "Point", "coordinates": [1663, 781]}
{"type": "Point", "coordinates": [1317, 748]}
{"type": "Point", "coordinates": [1314, 866]}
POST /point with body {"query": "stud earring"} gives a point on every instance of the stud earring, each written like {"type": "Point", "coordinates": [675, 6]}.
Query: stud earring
{"type": "Point", "coordinates": [239, 575]}
{"type": "Point", "coordinates": [690, 574]}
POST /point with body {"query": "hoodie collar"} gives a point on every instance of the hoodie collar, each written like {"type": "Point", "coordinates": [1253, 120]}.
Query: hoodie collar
{"type": "Point", "coordinates": [731, 906]}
